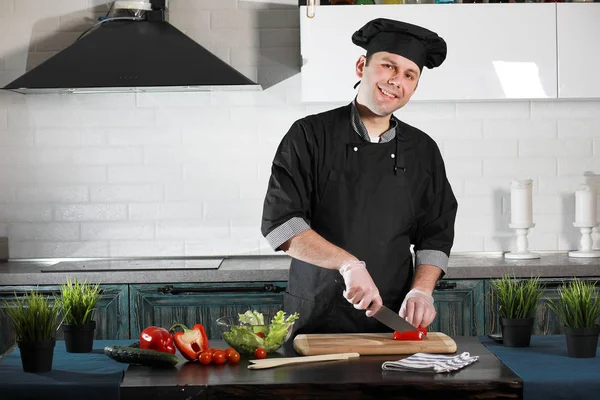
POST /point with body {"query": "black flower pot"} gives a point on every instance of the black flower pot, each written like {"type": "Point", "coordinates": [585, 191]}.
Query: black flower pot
{"type": "Point", "coordinates": [516, 332]}
{"type": "Point", "coordinates": [79, 338]}
{"type": "Point", "coordinates": [582, 342]}
{"type": "Point", "coordinates": [37, 356]}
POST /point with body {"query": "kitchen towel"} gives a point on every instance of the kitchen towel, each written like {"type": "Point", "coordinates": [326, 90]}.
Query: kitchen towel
{"type": "Point", "coordinates": [88, 376]}
{"type": "Point", "coordinates": [435, 363]}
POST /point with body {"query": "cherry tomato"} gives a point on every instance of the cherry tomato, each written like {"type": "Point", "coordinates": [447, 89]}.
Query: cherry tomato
{"type": "Point", "coordinates": [213, 350]}
{"type": "Point", "coordinates": [260, 353]}
{"type": "Point", "coordinates": [219, 357]}
{"type": "Point", "coordinates": [233, 356]}
{"type": "Point", "coordinates": [205, 357]}
{"type": "Point", "coordinates": [260, 334]}
{"type": "Point", "coordinates": [229, 351]}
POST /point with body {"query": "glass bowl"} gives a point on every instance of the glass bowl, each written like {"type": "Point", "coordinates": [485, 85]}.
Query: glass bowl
{"type": "Point", "coordinates": [246, 338]}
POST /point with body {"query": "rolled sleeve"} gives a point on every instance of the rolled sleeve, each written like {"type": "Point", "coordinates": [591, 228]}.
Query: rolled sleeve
{"type": "Point", "coordinates": [434, 234]}
{"type": "Point", "coordinates": [286, 231]}
{"type": "Point", "coordinates": [432, 257]}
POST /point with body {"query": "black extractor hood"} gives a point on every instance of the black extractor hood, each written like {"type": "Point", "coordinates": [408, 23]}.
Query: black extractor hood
{"type": "Point", "coordinates": [140, 52]}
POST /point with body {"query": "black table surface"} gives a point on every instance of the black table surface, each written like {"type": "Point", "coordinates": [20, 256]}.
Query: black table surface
{"type": "Point", "coordinates": [357, 378]}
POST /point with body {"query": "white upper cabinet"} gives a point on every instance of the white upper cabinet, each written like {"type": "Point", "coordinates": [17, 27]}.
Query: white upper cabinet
{"type": "Point", "coordinates": [578, 50]}
{"type": "Point", "coordinates": [495, 51]}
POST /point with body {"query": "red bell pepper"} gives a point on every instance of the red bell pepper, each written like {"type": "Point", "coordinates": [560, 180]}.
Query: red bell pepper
{"type": "Point", "coordinates": [155, 338]}
{"type": "Point", "coordinates": [419, 334]}
{"type": "Point", "coordinates": [190, 342]}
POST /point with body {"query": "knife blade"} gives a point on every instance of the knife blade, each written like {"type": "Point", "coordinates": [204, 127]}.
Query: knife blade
{"type": "Point", "coordinates": [393, 320]}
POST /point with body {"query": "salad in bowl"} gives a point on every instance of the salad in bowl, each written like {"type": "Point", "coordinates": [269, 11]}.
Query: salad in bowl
{"type": "Point", "coordinates": [253, 330]}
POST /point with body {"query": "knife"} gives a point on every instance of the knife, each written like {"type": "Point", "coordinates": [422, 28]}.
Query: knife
{"type": "Point", "coordinates": [393, 320]}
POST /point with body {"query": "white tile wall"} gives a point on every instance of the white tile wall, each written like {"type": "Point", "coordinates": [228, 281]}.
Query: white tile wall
{"type": "Point", "coordinates": [3, 119]}
{"type": "Point", "coordinates": [161, 174]}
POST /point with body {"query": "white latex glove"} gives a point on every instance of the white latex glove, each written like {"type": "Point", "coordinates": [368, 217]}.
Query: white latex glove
{"type": "Point", "coordinates": [360, 288]}
{"type": "Point", "coordinates": [417, 308]}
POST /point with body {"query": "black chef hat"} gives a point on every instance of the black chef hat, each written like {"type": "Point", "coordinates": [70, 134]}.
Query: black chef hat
{"type": "Point", "coordinates": [416, 43]}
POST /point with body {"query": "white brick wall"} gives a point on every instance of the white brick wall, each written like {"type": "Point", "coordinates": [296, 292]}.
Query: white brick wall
{"type": "Point", "coordinates": [161, 174]}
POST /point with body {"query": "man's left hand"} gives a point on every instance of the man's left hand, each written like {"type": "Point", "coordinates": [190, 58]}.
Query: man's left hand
{"type": "Point", "coordinates": [417, 308]}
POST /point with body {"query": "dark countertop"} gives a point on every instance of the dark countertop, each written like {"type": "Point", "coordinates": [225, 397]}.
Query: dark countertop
{"type": "Point", "coordinates": [358, 378]}
{"type": "Point", "coordinates": [265, 268]}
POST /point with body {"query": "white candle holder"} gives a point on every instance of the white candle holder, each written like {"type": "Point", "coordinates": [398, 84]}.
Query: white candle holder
{"type": "Point", "coordinates": [585, 250]}
{"type": "Point", "coordinates": [522, 252]}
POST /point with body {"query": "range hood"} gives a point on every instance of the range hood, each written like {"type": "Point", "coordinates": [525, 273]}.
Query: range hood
{"type": "Point", "coordinates": [142, 53]}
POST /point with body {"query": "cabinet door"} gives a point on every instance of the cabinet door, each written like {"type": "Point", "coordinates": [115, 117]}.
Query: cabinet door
{"type": "Point", "coordinates": [578, 29]}
{"type": "Point", "coordinates": [546, 322]}
{"type": "Point", "coordinates": [459, 306]}
{"type": "Point", "coordinates": [112, 314]}
{"type": "Point", "coordinates": [164, 305]}
{"type": "Point", "coordinates": [495, 51]}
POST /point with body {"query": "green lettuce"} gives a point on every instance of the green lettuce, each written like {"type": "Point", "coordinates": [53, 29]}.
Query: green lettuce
{"type": "Point", "coordinates": [278, 329]}
{"type": "Point", "coordinates": [251, 318]}
{"type": "Point", "coordinates": [245, 338]}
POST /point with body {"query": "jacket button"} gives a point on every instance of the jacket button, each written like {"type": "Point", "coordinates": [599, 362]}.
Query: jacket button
{"type": "Point", "coordinates": [393, 155]}
{"type": "Point", "coordinates": [356, 149]}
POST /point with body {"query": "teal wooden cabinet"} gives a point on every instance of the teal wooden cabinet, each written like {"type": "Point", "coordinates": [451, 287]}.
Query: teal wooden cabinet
{"type": "Point", "coordinates": [460, 307]}
{"type": "Point", "coordinates": [112, 314]}
{"type": "Point", "coordinates": [546, 322]}
{"type": "Point", "coordinates": [192, 303]}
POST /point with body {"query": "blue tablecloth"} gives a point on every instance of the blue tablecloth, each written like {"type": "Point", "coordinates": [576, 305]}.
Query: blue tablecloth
{"type": "Point", "coordinates": [74, 375]}
{"type": "Point", "coordinates": [546, 370]}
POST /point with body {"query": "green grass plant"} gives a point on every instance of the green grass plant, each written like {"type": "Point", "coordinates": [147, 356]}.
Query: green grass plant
{"type": "Point", "coordinates": [79, 301]}
{"type": "Point", "coordinates": [518, 298]}
{"type": "Point", "coordinates": [578, 305]}
{"type": "Point", "coordinates": [33, 316]}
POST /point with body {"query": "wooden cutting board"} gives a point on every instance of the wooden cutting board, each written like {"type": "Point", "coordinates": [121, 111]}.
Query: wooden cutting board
{"type": "Point", "coordinates": [371, 344]}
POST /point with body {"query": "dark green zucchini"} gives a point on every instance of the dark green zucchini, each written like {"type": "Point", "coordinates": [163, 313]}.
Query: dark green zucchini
{"type": "Point", "coordinates": [130, 355]}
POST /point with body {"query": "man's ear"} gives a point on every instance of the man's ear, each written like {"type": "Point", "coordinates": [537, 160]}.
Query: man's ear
{"type": "Point", "coordinates": [360, 66]}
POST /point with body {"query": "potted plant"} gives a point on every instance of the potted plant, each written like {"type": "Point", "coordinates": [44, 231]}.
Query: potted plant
{"type": "Point", "coordinates": [79, 301]}
{"type": "Point", "coordinates": [35, 321]}
{"type": "Point", "coordinates": [578, 308]}
{"type": "Point", "coordinates": [518, 301]}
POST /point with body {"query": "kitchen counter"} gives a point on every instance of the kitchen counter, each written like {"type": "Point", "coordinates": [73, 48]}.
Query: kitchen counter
{"type": "Point", "coordinates": [266, 268]}
{"type": "Point", "coordinates": [357, 378]}
{"type": "Point", "coordinates": [165, 270]}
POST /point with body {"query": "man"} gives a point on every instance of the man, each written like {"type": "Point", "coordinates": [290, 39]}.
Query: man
{"type": "Point", "coordinates": [352, 188]}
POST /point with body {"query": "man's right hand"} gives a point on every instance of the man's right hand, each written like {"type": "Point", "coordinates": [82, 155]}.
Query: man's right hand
{"type": "Point", "coordinates": [360, 288]}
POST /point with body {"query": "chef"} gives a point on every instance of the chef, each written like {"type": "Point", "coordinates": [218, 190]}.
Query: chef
{"type": "Point", "coordinates": [351, 189]}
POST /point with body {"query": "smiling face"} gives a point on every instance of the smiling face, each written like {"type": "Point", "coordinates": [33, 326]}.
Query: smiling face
{"type": "Point", "coordinates": [388, 82]}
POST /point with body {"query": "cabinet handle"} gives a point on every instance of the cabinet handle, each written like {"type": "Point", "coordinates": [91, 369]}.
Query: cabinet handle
{"type": "Point", "coordinates": [445, 285]}
{"type": "Point", "coordinates": [169, 289]}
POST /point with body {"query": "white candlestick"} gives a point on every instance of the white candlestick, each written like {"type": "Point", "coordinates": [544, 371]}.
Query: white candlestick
{"type": "Point", "coordinates": [522, 244]}
{"type": "Point", "coordinates": [520, 203]}
{"type": "Point", "coordinates": [585, 206]}
{"type": "Point", "coordinates": [585, 248]}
